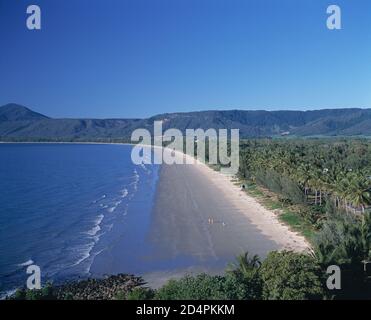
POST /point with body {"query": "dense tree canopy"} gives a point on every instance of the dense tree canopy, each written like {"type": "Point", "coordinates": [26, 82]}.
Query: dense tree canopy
{"type": "Point", "coordinates": [312, 171]}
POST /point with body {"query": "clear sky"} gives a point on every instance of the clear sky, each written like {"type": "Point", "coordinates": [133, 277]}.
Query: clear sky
{"type": "Point", "coordinates": [136, 58]}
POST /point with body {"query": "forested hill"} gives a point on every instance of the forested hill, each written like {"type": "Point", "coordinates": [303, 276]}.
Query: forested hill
{"type": "Point", "coordinates": [18, 122]}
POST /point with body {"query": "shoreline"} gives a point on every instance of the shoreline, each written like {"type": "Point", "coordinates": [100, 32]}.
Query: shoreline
{"type": "Point", "coordinates": [187, 196]}
{"type": "Point", "coordinates": [248, 202]}
{"type": "Point", "coordinates": [209, 174]}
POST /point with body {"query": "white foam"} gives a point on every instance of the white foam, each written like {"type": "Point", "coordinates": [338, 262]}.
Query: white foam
{"type": "Point", "coordinates": [93, 231]}
{"type": "Point", "coordinates": [146, 170]}
{"type": "Point", "coordinates": [124, 193]}
{"type": "Point", "coordinates": [99, 219]}
{"type": "Point", "coordinates": [8, 293]}
{"type": "Point", "coordinates": [93, 257]}
{"type": "Point", "coordinates": [102, 197]}
{"type": "Point", "coordinates": [136, 180]}
{"type": "Point", "coordinates": [25, 264]}
{"type": "Point", "coordinates": [85, 251]}
{"type": "Point", "coordinates": [114, 207]}
{"type": "Point", "coordinates": [96, 228]}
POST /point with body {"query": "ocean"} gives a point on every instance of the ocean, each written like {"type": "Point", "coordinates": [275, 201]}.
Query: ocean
{"type": "Point", "coordinates": [70, 209]}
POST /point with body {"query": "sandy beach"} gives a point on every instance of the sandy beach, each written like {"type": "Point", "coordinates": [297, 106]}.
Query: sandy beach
{"type": "Point", "coordinates": [200, 213]}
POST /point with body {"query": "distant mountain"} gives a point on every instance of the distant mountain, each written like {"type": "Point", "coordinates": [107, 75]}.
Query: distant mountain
{"type": "Point", "coordinates": [271, 123]}
{"type": "Point", "coordinates": [18, 122]}
{"type": "Point", "coordinates": [16, 112]}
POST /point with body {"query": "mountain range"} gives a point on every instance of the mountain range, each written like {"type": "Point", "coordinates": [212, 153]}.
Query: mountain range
{"type": "Point", "coordinates": [21, 123]}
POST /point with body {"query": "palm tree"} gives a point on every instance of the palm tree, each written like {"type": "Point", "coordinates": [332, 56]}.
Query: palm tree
{"type": "Point", "coordinates": [346, 241]}
{"type": "Point", "coordinates": [302, 176]}
{"type": "Point", "coordinates": [359, 192]}
{"type": "Point", "coordinates": [245, 265]}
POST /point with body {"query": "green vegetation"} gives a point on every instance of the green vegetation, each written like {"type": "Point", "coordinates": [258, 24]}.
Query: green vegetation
{"type": "Point", "coordinates": [291, 276]}
{"type": "Point", "coordinates": [194, 288]}
{"type": "Point", "coordinates": [46, 293]}
{"type": "Point", "coordinates": [240, 282]}
{"type": "Point", "coordinates": [311, 172]}
{"type": "Point", "coordinates": [345, 240]}
{"type": "Point", "coordinates": [305, 179]}
{"type": "Point", "coordinates": [319, 187]}
{"type": "Point", "coordinates": [138, 293]}
{"type": "Point", "coordinates": [295, 216]}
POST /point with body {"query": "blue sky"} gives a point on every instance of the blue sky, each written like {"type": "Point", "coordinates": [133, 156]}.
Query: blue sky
{"type": "Point", "coordinates": [136, 58]}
